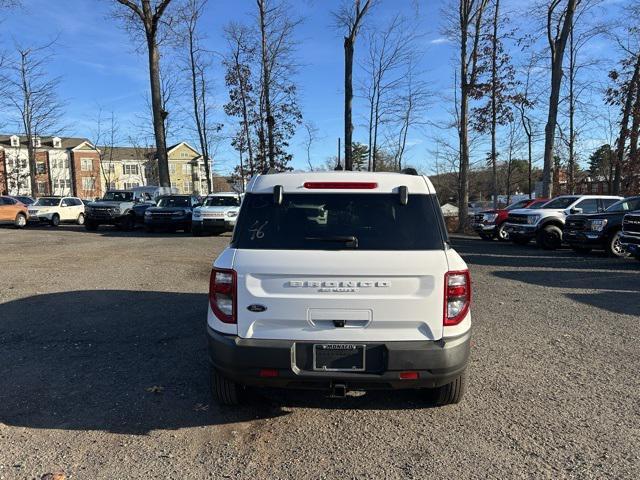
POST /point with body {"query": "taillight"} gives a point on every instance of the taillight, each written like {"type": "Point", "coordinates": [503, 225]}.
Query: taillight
{"type": "Point", "coordinates": [457, 296]}
{"type": "Point", "coordinates": [222, 294]}
{"type": "Point", "coordinates": [340, 185]}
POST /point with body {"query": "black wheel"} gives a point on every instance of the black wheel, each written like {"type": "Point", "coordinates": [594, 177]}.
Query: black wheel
{"type": "Point", "coordinates": [450, 393]}
{"type": "Point", "coordinates": [613, 246]}
{"type": "Point", "coordinates": [223, 390]}
{"type": "Point", "coordinates": [520, 240]}
{"type": "Point", "coordinates": [502, 234]}
{"type": "Point", "coordinates": [20, 220]}
{"type": "Point", "coordinates": [549, 238]}
{"type": "Point", "coordinates": [485, 237]}
{"type": "Point", "coordinates": [91, 226]}
{"type": "Point", "coordinates": [55, 220]}
{"type": "Point", "coordinates": [80, 220]}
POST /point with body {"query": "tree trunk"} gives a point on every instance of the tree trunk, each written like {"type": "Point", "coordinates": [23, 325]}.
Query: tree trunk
{"type": "Point", "coordinates": [572, 109]}
{"type": "Point", "coordinates": [557, 46]}
{"type": "Point", "coordinates": [266, 83]}
{"type": "Point", "coordinates": [494, 93]}
{"type": "Point", "coordinates": [348, 97]}
{"type": "Point", "coordinates": [202, 133]}
{"type": "Point", "coordinates": [624, 127]}
{"type": "Point", "coordinates": [158, 113]}
{"type": "Point", "coordinates": [634, 159]}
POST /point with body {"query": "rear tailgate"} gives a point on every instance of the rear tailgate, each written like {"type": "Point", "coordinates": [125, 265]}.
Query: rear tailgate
{"type": "Point", "coordinates": [341, 295]}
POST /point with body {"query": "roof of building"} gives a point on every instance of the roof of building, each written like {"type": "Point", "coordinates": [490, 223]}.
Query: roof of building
{"type": "Point", "coordinates": [45, 142]}
{"type": "Point", "coordinates": [127, 153]}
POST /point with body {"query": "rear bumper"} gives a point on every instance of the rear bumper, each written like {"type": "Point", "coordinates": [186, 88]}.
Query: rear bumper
{"type": "Point", "coordinates": [241, 360]}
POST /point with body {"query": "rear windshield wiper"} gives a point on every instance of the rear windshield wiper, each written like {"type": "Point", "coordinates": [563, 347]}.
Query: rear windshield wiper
{"type": "Point", "coordinates": [348, 240]}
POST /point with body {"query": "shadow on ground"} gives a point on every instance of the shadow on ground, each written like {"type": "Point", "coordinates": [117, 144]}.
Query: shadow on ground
{"type": "Point", "coordinates": [127, 362]}
{"type": "Point", "coordinates": [109, 231]}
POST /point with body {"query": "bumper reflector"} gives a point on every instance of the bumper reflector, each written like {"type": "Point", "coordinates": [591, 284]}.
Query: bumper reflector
{"type": "Point", "coordinates": [268, 372]}
{"type": "Point", "coordinates": [409, 375]}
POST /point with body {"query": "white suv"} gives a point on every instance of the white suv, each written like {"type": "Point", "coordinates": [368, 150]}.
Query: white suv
{"type": "Point", "coordinates": [217, 214]}
{"type": "Point", "coordinates": [339, 281]}
{"type": "Point", "coordinates": [54, 210]}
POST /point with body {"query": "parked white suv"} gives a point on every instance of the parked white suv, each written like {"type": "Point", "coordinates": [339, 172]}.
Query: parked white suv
{"type": "Point", "coordinates": [217, 214]}
{"type": "Point", "coordinates": [54, 210]}
{"type": "Point", "coordinates": [339, 281]}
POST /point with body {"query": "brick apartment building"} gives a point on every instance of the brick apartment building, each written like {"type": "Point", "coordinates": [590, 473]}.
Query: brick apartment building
{"type": "Point", "coordinates": [64, 166]}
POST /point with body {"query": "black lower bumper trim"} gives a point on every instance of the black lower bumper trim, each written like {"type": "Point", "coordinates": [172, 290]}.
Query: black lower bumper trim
{"type": "Point", "coordinates": [437, 363]}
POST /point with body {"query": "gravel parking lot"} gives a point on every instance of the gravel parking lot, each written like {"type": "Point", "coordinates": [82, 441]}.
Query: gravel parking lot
{"type": "Point", "coordinates": [103, 373]}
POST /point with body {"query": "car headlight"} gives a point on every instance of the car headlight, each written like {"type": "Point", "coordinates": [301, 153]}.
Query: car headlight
{"type": "Point", "coordinates": [533, 219]}
{"type": "Point", "coordinates": [490, 217]}
{"type": "Point", "coordinates": [117, 210]}
{"type": "Point", "coordinates": [147, 213]}
{"type": "Point", "coordinates": [232, 214]}
{"type": "Point", "coordinates": [598, 224]}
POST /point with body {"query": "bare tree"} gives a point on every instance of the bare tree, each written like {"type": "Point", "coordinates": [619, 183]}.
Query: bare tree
{"type": "Point", "coordinates": [105, 138]}
{"type": "Point", "coordinates": [467, 29]}
{"type": "Point", "coordinates": [559, 24]}
{"type": "Point", "coordinates": [524, 103]}
{"type": "Point", "coordinates": [146, 16]}
{"type": "Point", "coordinates": [197, 64]}
{"type": "Point", "coordinates": [349, 17]}
{"type": "Point", "coordinates": [33, 94]}
{"type": "Point", "coordinates": [310, 137]}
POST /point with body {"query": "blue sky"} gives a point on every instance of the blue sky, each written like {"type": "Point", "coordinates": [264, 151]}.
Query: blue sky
{"type": "Point", "coordinates": [99, 67]}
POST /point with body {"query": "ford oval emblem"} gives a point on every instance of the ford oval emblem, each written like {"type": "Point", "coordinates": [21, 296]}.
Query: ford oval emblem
{"type": "Point", "coordinates": [256, 308]}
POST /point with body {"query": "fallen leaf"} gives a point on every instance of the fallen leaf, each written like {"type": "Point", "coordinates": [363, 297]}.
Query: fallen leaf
{"type": "Point", "coordinates": [155, 389]}
{"type": "Point", "coordinates": [54, 476]}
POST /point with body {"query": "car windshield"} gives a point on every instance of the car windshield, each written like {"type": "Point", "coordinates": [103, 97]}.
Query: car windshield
{"type": "Point", "coordinates": [626, 205]}
{"type": "Point", "coordinates": [537, 204]}
{"type": "Point", "coordinates": [559, 203]}
{"type": "Point", "coordinates": [47, 202]}
{"type": "Point", "coordinates": [222, 201]}
{"type": "Point", "coordinates": [329, 221]}
{"type": "Point", "coordinates": [520, 204]}
{"type": "Point", "coordinates": [118, 196]}
{"type": "Point", "coordinates": [169, 202]}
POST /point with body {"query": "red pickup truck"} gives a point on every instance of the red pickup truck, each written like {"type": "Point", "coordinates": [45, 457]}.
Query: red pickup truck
{"type": "Point", "coordinates": [489, 224]}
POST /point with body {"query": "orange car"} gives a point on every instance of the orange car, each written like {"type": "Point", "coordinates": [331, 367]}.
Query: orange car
{"type": "Point", "coordinates": [12, 211]}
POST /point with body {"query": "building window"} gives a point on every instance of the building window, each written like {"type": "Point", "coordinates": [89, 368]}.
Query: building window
{"type": "Point", "coordinates": [41, 168]}
{"type": "Point", "coordinates": [35, 141]}
{"type": "Point", "coordinates": [172, 168]}
{"type": "Point", "coordinates": [186, 168]}
{"type": "Point", "coordinates": [41, 187]}
{"type": "Point", "coordinates": [130, 169]}
{"type": "Point", "coordinates": [184, 154]}
{"type": "Point", "coordinates": [61, 184]}
{"type": "Point", "coordinates": [187, 186]}
{"type": "Point", "coordinates": [61, 163]}
{"type": "Point", "coordinates": [15, 141]}
{"type": "Point", "coordinates": [86, 164]}
{"type": "Point", "coordinates": [88, 183]}
{"type": "Point", "coordinates": [130, 185]}
{"type": "Point", "coordinates": [57, 142]}
{"type": "Point", "coordinates": [111, 185]}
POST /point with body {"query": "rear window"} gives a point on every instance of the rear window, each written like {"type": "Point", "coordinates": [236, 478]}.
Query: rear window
{"type": "Point", "coordinates": [329, 221]}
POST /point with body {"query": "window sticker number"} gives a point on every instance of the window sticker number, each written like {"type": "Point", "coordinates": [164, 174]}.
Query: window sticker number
{"type": "Point", "coordinates": [256, 230]}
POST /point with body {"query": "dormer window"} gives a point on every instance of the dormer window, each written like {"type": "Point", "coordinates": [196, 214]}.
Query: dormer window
{"type": "Point", "coordinates": [15, 141]}
{"type": "Point", "coordinates": [57, 142]}
{"type": "Point", "coordinates": [35, 141]}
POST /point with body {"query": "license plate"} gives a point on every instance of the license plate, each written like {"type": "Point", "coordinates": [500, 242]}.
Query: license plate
{"type": "Point", "coordinates": [339, 357]}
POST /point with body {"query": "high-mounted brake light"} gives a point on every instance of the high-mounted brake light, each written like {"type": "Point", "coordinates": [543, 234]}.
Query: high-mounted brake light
{"type": "Point", "coordinates": [222, 294]}
{"type": "Point", "coordinates": [340, 185]}
{"type": "Point", "coordinates": [457, 296]}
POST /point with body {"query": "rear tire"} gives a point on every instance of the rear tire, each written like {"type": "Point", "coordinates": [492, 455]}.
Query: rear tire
{"type": "Point", "coordinates": [614, 248]}
{"type": "Point", "coordinates": [20, 220]}
{"type": "Point", "coordinates": [55, 220]}
{"type": "Point", "coordinates": [223, 390]}
{"type": "Point", "coordinates": [581, 250]}
{"type": "Point", "coordinates": [451, 393]}
{"type": "Point", "coordinates": [549, 238]}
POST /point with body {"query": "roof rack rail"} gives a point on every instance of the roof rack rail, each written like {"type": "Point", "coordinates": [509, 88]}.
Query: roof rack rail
{"type": "Point", "coordinates": [409, 171]}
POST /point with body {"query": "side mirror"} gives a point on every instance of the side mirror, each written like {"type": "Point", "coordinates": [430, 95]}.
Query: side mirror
{"type": "Point", "coordinates": [575, 210]}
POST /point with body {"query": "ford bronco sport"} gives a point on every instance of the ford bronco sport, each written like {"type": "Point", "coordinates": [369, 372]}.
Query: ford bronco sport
{"type": "Point", "coordinates": [339, 281]}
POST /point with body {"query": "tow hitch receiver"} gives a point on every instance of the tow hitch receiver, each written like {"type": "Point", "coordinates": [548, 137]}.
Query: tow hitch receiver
{"type": "Point", "coordinates": [338, 390]}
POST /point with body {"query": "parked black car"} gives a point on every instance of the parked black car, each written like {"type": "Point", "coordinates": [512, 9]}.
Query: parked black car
{"type": "Point", "coordinates": [172, 212]}
{"type": "Point", "coordinates": [630, 237]}
{"type": "Point", "coordinates": [584, 232]}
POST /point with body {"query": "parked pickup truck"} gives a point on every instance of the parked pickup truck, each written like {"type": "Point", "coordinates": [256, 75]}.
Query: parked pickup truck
{"type": "Point", "coordinates": [339, 281]}
{"type": "Point", "coordinates": [584, 232]}
{"type": "Point", "coordinates": [545, 224]}
{"type": "Point", "coordinates": [490, 224]}
{"type": "Point", "coordinates": [630, 237]}
{"type": "Point", "coordinates": [115, 208]}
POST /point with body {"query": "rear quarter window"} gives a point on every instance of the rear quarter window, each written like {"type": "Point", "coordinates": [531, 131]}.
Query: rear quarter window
{"type": "Point", "coordinates": [318, 221]}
